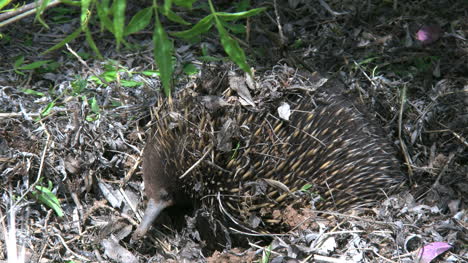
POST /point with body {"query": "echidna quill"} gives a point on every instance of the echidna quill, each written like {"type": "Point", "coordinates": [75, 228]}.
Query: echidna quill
{"type": "Point", "coordinates": [246, 163]}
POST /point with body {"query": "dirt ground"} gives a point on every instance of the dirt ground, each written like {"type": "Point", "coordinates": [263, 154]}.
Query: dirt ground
{"type": "Point", "coordinates": [64, 132]}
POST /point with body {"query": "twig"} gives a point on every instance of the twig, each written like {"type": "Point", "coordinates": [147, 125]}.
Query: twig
{"type": "Point", "coordinates": [24, 11]}
{"type": "Point", "coordinates": [278, 22]}
{"type": "Point", "coordinates": [96, 74]}
{"type": "Point", "coordinates": [400, 138]}
{"type": "Point", "coordinates": [17, 114]}
{"type": "Point", "coordinates": [327, 7]}
{"type": "Point", "coordinates": [442, 171]}
{"type": "Point", "coordinates": [41, 167]}
{"type": "Point", "coordinates": [259, 247]}
{"type": "Point", "coordinates": [69, 250]}
{"type": "Point", "coordinates": [195, 164]}
{"type": "Point", "coordinates": [382, 257]}
{"type": "Point", "coordinates": [328, 259]}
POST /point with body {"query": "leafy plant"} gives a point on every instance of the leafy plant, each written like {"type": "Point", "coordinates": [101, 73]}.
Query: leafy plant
{"type": "Point", "coordinates": [19, 66]}
{"type": "Point", "coordinates": [47, 110]}
{"type": "Point", "coordinates": [45, 196]}
{"type": "Point", "coordinates": [112, 74]}
{"type": "Point", "coordinates": [111, 14]}
{"type": "Point", "coordinates": [306, 187]}
{"type": "Point", "coordinates": [266, 254]}
{"type": "Point", "coordinates": [33, 92]}
{"type": "Point", "coordinates": [94, 109]}
{"type": "Point", "coordinates": [190, 69]}
{"type": "Point", "coordinates": [163, 50]}
{"type": "Point", "coordinates": [424, 63]}
{"type": "Point", "coordinates": [3, 3]}
{"type": "Point", "coordinates": [78, 86]}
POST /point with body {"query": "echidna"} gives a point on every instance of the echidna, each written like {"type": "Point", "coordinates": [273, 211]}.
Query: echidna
{"type": "Point", "coordinates": [248, 163]}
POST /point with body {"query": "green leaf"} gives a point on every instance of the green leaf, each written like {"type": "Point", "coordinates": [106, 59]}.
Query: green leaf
{"type": "Point", "coordinates": [84, 55]}
{"type": "Point", "coordinates": [40, 10]}
{"type": "Point", "coordinates": [46, 111]}
{"type": "Point", "coordinates": [150, 73]}
{"type": "Point", "coordinates": [306, 187]}
{"type": "Point", "coordinates": [210, 59]}
{"type": "Point", "coordinates": [110, 76]}
{"type": "Point", "coordinates": [166, 7]}
{"type": "Point", "coordinates": [51, 66]}
{"type": "Point", "coordinates": [297, 44]}
{"type": "Point", "coordinates": [235, 151]}
{"type": "Point", "coordinates": [367, 61]}
{"type": "Point", "coordinates": [199, 28]}
{"type": "Point", "coordinates": [234, 28]}
{"type": "Point", "coordinates": [184, 3]}
{"type": "Point", "coordinates": [91, 43]}
{"type": "Point", "coordinates": [18, 62]}
{"type": "Point", "coordinates": [190, 69]}
{"type": "Point", "coordinates": [139, 21]}
{"type": "Point", "coordinates": [94, 105]}
{"type": "Point", "coordinates": [116, 103]}
{"type": "Point", "coordinates": [130, 83]}
{"type": "Point", "coordinates": [239, 15]}
{"type": "Point", "coordinates": [206, 57]}
{"type": "Point", "coordinates": [34, 65]}
{"type": "Point", "coordinates": [104, 19]}
{"type": "Point", "coordinates": [230, 45]}
{"type": "Point", "coordinates": [96, 80]}
{"type": "Point", "coordinates": [119, 20]}
{"type": "Point", "coordinates": [63, 42]}
{"type": "Point", "coordinates": [232, 48]}
{"type": "Point", "coordinates": [92, 117]}
{"type": "Point", "coordinates": [266, 254]}
{"type": "Point", "coordinates": [78, 86]}
{"type": "Point", "coordinates": [48, 198]}
{"type": "Point", "coordinates": [85, 14]}
{"type": "Point", "coordinates": [33, 92]}
{"type": "Point", "coordinates": [242, 5]}
{"type": "Point", "coordinates": [76, 3]}
{"type": "Point", "coordinates": [176, 18]}
{"type": "Point", "coordinates": [167, 12]}
{"type": "Point", "coordinates": [163, 51]}
{"type": "Point", "coordinates": [3, 3]}
{"type": "Point", "coordinates": [19, 72]}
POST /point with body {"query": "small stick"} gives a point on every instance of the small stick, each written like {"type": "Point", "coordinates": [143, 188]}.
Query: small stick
{"type": "Point", "coordinates": [23, 11]}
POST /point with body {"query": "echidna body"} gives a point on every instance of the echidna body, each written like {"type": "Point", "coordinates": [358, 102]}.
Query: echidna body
{"type": "Point", "coordinates": [248, 164]}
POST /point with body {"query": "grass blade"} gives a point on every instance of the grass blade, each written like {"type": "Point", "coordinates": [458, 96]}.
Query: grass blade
{"type": "Point", "coordinates": [163, 51]}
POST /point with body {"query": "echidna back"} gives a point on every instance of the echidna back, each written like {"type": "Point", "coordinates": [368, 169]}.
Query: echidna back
{"type": "Point", "coordinates": [249, 164]}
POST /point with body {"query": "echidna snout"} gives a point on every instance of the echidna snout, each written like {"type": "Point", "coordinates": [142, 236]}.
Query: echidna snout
{"type": "Point", "coordinates": [153, 209]}
{"type": "Point", "coordinates": [159, 187]}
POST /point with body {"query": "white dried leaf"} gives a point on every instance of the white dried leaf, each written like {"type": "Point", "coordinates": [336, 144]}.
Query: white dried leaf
{"type": "Point", "coordinates": [284, 111]}
{"type": "Point", "coordinates": [175, 116]}
{"type": "Point", "coordinates": [238, 84]}
{"type": "Point", "coordinates": [277, 184]}
{"type": "Point", "coordinates": [116, 252]}
{"type": "Point", "coordinates": [250, 82]}
{"type": "Point", "coordinates": [328, 245]}
{"type": "Point", "coordinates": [114, 197]}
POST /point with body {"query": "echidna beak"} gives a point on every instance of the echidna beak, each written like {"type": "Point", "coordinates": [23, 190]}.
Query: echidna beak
{"type": "Point", "coordinates": [153, 209]}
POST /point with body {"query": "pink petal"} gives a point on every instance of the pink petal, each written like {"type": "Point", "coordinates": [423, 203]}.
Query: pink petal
{"type": "Point", "coordinates": [432, 250]}
{"type": "Point", "coordinates": [429, 34]}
